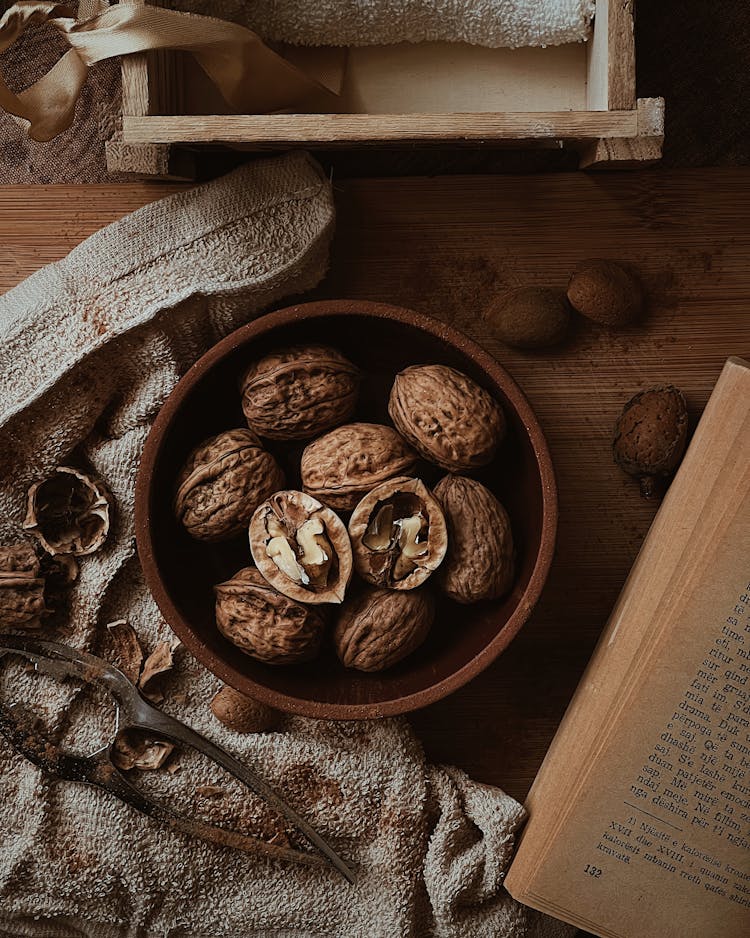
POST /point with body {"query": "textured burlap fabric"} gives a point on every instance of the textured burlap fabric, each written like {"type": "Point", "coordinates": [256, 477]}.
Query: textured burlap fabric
{"type": "Point", "coordinates": [89, 349]}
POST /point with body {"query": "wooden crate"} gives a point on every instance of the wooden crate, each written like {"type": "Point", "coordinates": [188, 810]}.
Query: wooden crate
{"type": "Point", "coordinates": [580, 95]}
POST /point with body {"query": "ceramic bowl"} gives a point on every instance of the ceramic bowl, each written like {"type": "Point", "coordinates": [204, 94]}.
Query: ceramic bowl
{"type": "Point", "coordinates": [181, 572]}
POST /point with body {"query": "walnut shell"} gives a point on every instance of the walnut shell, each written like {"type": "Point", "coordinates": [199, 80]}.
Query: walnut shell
{"type": "Point", "coordinates": [650, 435]}
{"type": "Point", "coordinates": [480, 561]}
{"type": "Point", "coordinates": [398, 534]}
{"type": "Point", "coordinates": [603, 291]}
{"type": "Point", "coordinates": [301, 548]}
{"type": "Point", "coordinates": [69, 512]}
{"type": "Point", "coordinates": [223, 482]}
{"type": "Point", "coordinates": [21, 588]}
{"type": "Point", "coordinates": [243, 714]}
{"type": "Point", "coordinates": [299, 392]}
{"type": "Point", "coordinates": [446, 416]}
{"type": "Point", "coordinates": [380, 627]}
{"type": "Point", "coordinates": [345, 464]}
{"type": "Point", "coordinates": [265, 624]}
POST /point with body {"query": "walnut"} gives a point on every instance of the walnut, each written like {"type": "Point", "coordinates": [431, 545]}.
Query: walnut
{"type": "Point", "coordinates": [299, 392]}
{"type": "Point", "coordinates": [398, 534]}
{"type": "Point", "coordinates": [530, 317]}
{"type": "Point", "coordinates": [265, 624]}
{"type": "Point", "coordinates": [243, 714]}
{"type": "Point", "coordinates": [605, 292]}
{"type": "Point", "coordinates": [345, 464]}
{"type": "Point", "coordinates": [223, 482]}
{"type": "Point", "coordinates": [446, 416]}
{"type": "Point", "coordinates": [650, 436]}
{"type": "Point", "coordinates": [69, 512]}
{"type": "Point", "coordinates": [480, 559]}
{"type": "Point", "coordinates": [380, 627]}
{"type": "Point", "coordinates": [21, 588]}
{"type": "Point", "coordinates": [302, 548]}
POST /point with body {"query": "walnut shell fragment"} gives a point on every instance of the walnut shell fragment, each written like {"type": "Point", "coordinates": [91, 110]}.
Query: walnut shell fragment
{"type": "Point", "coordinates": [446, 416]}
{"type": "Point", "coordinates": [380, 627]}
{"type": "Point", "coordinates": [223, 482]}
{"type": "Point", "coordinates": [127, 647]}
{"type": "Point", "coordinates": [299, 392]}
{"type": "Point", "coordinates": [241, 713]}
{"type": "Point", "coordinates": [69, 512]}
{"type": "Point", "coordinates": [650, 436]}
{"type": "Point", "coordinates": [398, 534]}
{"type": "Point", "coordinates": [345, 464]}
{"type": "Point", "coordinates": [265, 624]}
{"type": "Point", "coordinates": [480, 562]}
{"type": "Point", "coordinates": [158, 664]}
{"type": "Point", "coordinates": [133, 750]}
{"type": "Point", "coordinates": [301, 548]}
{"type": "Point", "coordinates": [22, 603]}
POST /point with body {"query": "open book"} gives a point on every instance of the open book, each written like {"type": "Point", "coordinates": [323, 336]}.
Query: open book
{"type": "Point", "coordinates": [640, 815]}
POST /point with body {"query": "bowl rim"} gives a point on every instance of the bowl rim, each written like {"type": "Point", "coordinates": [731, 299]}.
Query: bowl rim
{"type": "Point", "coordinates": [437, 329]}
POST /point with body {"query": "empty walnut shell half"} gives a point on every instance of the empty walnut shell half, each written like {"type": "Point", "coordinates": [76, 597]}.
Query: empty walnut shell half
{"type": "Point", "coordinates": [223, 482]}
{"type": "Point", "coordinates": [480, 560]}
{"type": "Point", "coordinates": [299, 392]}
{"type": "Point", "coordinates": [265, 624]}
{"type": "Point", "coordinates": [446, 416]}
{"type": "Point", "coordinates": [21, 588]}
{"type": "Point", "coordinates": [302, 548]}
{"type": "Point", "coordinates": [380, 627]}
{"type": "Point", "coordinates": [69, 512]}
{"type": "Point", "coordinates": [398, 534]}
{"type": "Point", "coordinates": [345, 464]}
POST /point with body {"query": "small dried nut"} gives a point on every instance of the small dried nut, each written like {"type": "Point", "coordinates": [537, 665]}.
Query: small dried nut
{"type": "Point", "coordinates": [243, 714]}
{"type": "Point", "coordinates": [69, 512]}
{"type": "Point", "coordinates": [21, 588]}
{"type": "Point", "coordinates": [605, 292]}
{"type": "Point", "coordinates": [345, 464]}
{"type": "Point", "coordinates": [301, 548]}
{"type": "Point", "coordinates": [480, 559]}
{"type": "Point", "coordinates": [381, 627]}
{"type": "Point", "coordinates": [265, 624]}
{"type": "Point", "coordinates": [650, 436]}
{"type": "Point", "coordinates": [223, 482]}
{"type": "Point", "coordinates": [398, 534]}
{"type": "Point", "coordinates": [530, 317]}
{"type": "Point", "coordinates": [446, 416]}
{"type": "Point", "coordinates": [299, 392]}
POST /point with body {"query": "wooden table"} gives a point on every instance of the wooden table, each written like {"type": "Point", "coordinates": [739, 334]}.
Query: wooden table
{"type": "Point", "coordinates": [447, 246]}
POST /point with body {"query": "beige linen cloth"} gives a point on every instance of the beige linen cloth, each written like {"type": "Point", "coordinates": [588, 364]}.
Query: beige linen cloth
{"type": "Point", "coordinates": [90, 348]}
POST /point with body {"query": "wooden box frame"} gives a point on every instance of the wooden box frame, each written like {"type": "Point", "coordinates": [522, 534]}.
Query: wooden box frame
{"type": "Point", "coordinates": [614, 130]}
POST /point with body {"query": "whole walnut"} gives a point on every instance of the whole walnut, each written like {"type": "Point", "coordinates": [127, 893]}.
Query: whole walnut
{"type": "Point", "coordinates": [301, 547]}
{"type": "Point", "coordinates": [398, 534]}
{"type": "Point", "coordinates": [380, 627]}
{"type": "Point", "coordinates": [605, 292]}
{"type": "Point", "coordinates": [22, 602]}
{"type": "Point", "coordinates": [299, 392]}
{"type": "Point", "coordinates": [480, 560]}
{"type": "Point", "coordinates": [530, 317]}
{"type": "Point", "coordinates": [446, 416]}
{"type": "Point", "coordinates": [345, 464]}
{"type": "Point", "coordinates": [650, 436]}
{"type": "Point", "coordinates": [241, 713]}
{"type": "Point", "coordinates": [264, 623]}
{"type": "Point", "coordinates": [223, 482]}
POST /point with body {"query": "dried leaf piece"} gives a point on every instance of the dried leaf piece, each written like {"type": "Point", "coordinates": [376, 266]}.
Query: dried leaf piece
{"type": "Point", "coordinates": [69, 512]}
{"type": "Point", "coordinates": [132, 750]}
{"type": "Point", "coordinates": [158, 663]}
{"type": "Point", "coordinates": [128, 651]}
{"type": "Point", "coordinates": [22, 602]}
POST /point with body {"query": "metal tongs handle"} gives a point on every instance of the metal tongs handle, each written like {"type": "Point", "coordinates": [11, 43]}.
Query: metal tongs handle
{"type": "Point", "coordinates": [138, 713]}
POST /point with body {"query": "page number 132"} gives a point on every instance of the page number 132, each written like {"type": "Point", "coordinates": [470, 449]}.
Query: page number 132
{"type": "Point", "coordinates": [592, 871]}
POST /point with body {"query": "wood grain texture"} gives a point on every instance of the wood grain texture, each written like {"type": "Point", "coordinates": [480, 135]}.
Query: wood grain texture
{"type": "Point", "coordinates": [448, 246]}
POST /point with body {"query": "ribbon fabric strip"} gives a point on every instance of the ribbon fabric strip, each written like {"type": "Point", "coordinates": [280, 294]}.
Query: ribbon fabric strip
{"type": "Point", "coordinates": [251, 77]}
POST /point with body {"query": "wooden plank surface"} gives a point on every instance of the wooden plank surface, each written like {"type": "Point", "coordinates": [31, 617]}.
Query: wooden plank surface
{"type": "Point", "coordinates": [447, 246]}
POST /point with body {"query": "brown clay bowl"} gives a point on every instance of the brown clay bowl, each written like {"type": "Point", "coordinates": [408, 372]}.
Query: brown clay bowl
{"type": "Point", "coordinates": [181, 572]}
